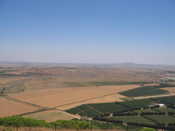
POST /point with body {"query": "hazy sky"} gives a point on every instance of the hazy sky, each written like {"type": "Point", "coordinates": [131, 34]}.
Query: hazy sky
{"type": "Point", "coordinates": [88, 31]}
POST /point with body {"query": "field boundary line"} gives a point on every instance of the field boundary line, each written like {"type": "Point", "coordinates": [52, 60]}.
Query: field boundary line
{"type": "Point", "coordinates": [49, 109]}
{"type": "Point", "coordinates": [41, 108]}
{"type": "Point", "coordinates": [79, 101]}
{"type": "Point", "coordinates": [21, 101]}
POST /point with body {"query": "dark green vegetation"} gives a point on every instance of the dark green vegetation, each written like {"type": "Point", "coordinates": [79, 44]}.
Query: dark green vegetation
{"type": "Point", "coordinates": [21, 122]}
{"type": "Point", "coordinates": [2, 72]}
{"type": "Point", "coordinates": [171, 72]}
{"type": "Point", "coordinates": [104, 83]}
{"type": "Point", "coordinates": [92, 110]}
{"type": "Point", "coordinates": [136, 119]}
{"type": "Point", "coordinates": [134, 111]}
{"type": "Point", "coordinates": [162, 119]}
{"type": "Point", "coordinates": [17, 121]}
{"type": "Point", "coordinates": [26, 74]}
{"type": "Point", "coordinates": [146, 91]}
{"type": "Point", "coordinates": [98, 109]}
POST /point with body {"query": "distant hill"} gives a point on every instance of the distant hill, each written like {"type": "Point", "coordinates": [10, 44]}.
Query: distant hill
{"type": "Point", "coordinates": [112, 65]}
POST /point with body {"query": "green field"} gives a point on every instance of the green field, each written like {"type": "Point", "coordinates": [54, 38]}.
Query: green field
{"type": "Point", "coordinates": [155, 110]}
{"type": "Point", "coordinates": [135, 119]}
{"type": "Point", "coordinates": [162, 119]}
{"type": "Point", "coordinates": [145, 91]}
{"type": "Point", "coordinates": [92, 110]}
{"type": "Point", "coordinates": [132, 111]}
{"type": "Point", "coordinates": [97, 109]}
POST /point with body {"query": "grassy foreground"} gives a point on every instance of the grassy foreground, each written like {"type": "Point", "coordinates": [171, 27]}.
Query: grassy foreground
{"type": "Point", "coordinates": [18, 121]}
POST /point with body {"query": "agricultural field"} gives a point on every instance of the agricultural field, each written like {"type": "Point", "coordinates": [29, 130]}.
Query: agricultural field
{"type": "Point", "coordinates": [162, 119]}
{"type": "Point", "coordinates": [51, 115]}
{"type": "Point", "coordinates": [9, 108]}
{"type": "Point", "coordinates": [30, 89]}
{"type": "Point", "coordinates": [45, 93]}
{"type": "Point", "coordinates": [23, 78]}
{"type": "Point", "coordinates": [149, 91]}
{"type": "Point", "coordinates": [119, 107]}
{"type": "Point", "coordinates": [93, 110]}
{"type": "Point", "coordinates": [65, 98]}
{"type": "Point", "coordinates": [135, 112]}
{"type": "Point", "coordinates": [135, 119]}
{"type": "Point", "coordinates": [169, 89]}
{"type": "Point", "coordinates": [144, 91]}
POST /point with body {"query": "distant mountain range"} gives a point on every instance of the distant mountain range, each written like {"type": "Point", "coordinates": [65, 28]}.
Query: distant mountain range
{"type": "Point", "coordinates": [114, 65]}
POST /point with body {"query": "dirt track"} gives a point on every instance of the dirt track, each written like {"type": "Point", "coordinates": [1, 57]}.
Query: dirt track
{"type": "Point", "coordinates": [66, 98]}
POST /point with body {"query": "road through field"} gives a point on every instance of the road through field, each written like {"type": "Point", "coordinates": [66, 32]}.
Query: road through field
{"type": "Point", "coordinates": [74, 96]}
{"type": "Point", "coordinates": [27, 112]}
{"type": "Point", "coordinates": [8, 107]}
{"type": "Point", "coordinates": [21, 101]}
{"type": "Point", "coordinates": [53, 101]}
{"type": "Point", "coordinates": [99, 99]}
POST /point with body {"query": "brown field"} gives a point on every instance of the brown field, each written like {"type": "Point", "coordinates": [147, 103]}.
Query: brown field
{"type": "Point", "coordinates": [61, 98]}
{"type": "Point", "coordinates": [170, 90]}
{"type": "Point", "coordinates": [8, 108]}
{"type": "Point", "coordinates": [104, 99]}
{"type": "Point", "coordinates": [55, 77]}
{"type": "Point", "coordinates": [64, 87]}
{"type": "Point", "coordinates": [52, 115]}
{"type": "Point", "coordinates": [65, 98]}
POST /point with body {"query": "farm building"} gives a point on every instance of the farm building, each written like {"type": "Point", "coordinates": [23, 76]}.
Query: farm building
{"type": "Point", "coordinates": [157, 105]}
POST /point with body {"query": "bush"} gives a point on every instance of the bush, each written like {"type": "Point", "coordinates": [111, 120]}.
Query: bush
{"type": "Point", "coordinates": [21, 121]}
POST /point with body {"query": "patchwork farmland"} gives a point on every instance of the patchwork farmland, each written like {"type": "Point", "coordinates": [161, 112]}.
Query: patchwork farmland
{"type": "Point", "coordinates": [64, 93]}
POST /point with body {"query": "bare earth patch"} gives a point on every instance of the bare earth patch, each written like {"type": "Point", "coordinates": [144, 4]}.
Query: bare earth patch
{"type": "Point", "coordinates": [171, 90]}
{"type": "Point", "coordinates": [65, 98]}
{"type": "Point", "coordinates": [52, 115]}
{"type": "Point", "coordinates": [9, 108]}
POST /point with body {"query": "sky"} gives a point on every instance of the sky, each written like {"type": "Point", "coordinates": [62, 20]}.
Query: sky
{"type": "Point", "coordinates": [88, 31]}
